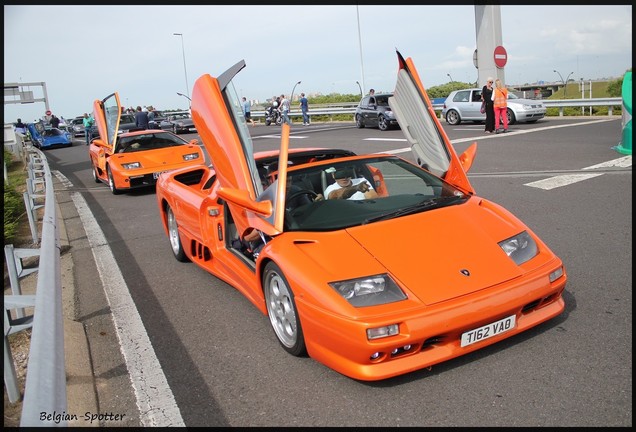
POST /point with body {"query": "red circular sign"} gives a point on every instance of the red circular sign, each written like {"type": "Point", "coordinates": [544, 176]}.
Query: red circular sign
{"type": "Point", "coordinates": [501, 56]}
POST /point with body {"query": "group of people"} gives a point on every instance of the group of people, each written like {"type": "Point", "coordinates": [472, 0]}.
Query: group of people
{"type": "Point", "coordinates": [495, 101]}
{"type": "Point", "coordinates": [145, 119]}
{"type": "Point", "coordinates": [284, 105]}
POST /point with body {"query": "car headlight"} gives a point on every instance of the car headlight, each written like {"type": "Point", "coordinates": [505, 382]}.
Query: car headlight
{"type": "Point", "coordinates": [190, 156]}
{"type": "Point", "coordinates": [520, 248]}
{"type": "Point", "coordinates": [369, 291]}
{"type": "Point", "coordinates": [131, 165]}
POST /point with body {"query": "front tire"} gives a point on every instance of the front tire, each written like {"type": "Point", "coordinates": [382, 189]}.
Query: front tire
{"type": "Point", "coordinates": [173, 234]}
{"type": "Point", "coordinates": [111, 182]}
{"type": "Point", "coordinates": [282, 312]}
{"type": "Point", "coordinates": [383, 123]}
{"type": "Point", "coordinates": [511, 117]}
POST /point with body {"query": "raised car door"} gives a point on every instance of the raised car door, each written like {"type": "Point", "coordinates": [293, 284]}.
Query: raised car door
{"type": "Point", "coordinates": [107, 113]}
{"type": "Point", "coordinates": [419, 123]}
{"type": "Point", "coordinates": [218, 117]}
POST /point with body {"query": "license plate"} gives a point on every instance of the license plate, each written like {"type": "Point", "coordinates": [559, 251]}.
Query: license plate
{"type": "Point", "coordinates": [488, 331]}
{"type": "Point", "coordinates": [157, 174]}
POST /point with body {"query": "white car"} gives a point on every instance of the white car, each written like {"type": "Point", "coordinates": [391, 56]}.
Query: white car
{"type": "Point", "coordinates": [464, 105]}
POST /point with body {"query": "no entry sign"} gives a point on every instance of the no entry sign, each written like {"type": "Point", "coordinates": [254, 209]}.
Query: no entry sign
{"type": "Point", "coordinates": [501, 56]}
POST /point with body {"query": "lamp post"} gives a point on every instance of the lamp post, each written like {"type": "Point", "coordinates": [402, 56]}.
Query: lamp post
{"type": "Point", "coordinates": [450, 77]}
{"type": "Point", "coordinates": [185, 71]}
{"type": "Point", "coordinates": [185, 96]}
{"type": "Point", "coordinates": [291, 98]}
{"type": "Point", "coordinates": [565, 82]}
{"type": "Point", "coordinates": [565, 89]}
{"type": "Point", "coordinates": [360, 87]}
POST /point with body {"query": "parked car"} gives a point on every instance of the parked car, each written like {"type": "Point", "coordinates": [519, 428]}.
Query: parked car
{"type": "Point", "coordinates": [177, 122]}
{"type": "Point", "coordinates": [77, 126]}
{"type": "Point", "coordinates": [135, 159]}
{"type": "Point", "coordinates": [46, 137]}
{"type": "Point", "coordinates": [127, 123]}
{"type": "Point", "coordinates": [374, 111]}
{"type": "Point", "coordinates": [464, 105]}
{"type": "Point", "coordinates": [423, 272]}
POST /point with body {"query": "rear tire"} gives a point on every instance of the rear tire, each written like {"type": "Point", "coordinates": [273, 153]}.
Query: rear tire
{"type": "Point", "coordinates": [359, 122]}
{"type": "Point", "coordinates": [95, 176]}
{"type": "Point", "coordinates": [175, 239]}
{"type": "Point", "coordinates": [453, 118]}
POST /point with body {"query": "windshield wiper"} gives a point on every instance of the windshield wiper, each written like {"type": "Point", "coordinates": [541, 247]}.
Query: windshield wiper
{"type": "Point", "coordinates": [419, 207]}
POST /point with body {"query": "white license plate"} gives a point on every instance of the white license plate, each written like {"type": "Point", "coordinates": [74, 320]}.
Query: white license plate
{"type": "Point", "coordinates": [488, 331]}
{"type": "Point", "coordinates": [157, 174]}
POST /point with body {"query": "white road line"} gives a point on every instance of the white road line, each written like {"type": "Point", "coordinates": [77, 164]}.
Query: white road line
{"type": "Point", "coordinates": [562, 180]}
{"type": "Point", "coordinates": [623, 162]}
{"type": "Point", "coordinates": [155, 400]}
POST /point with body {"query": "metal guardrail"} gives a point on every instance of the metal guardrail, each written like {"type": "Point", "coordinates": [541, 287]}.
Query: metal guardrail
{"type": "Point", "coordinates": [350, 107]}
{"type": "Point", "coordinates": [45, 387]}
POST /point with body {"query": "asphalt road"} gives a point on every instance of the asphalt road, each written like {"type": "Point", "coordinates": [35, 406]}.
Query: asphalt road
{"type": "Point", "coordinates": [218, 363]}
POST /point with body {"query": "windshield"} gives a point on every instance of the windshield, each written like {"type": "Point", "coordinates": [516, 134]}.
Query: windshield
{"type": "Point", "coordinates": [400, 189]}
{"type": "Point", "coordinates": [148, 141]}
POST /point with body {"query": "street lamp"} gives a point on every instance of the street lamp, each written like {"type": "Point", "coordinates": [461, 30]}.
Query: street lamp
{"type": "Point", "coordinates": [185, 71]}
{"type": "Point", "coordinates": [185, 96]}
{"type": "Point", "coordinates": [291, 98]}
{"type": "Point", "coordinates": [360, 87]}
{"type": "Point", "coordinates": [449, 76]}
{"type": "Point", "coordinates": [565, 82]}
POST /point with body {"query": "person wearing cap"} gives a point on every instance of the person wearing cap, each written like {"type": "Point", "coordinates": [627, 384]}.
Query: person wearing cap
{"type": "Point", "coordinates": [346, 186]}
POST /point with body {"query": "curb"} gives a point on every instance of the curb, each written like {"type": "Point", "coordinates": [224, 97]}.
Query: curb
{"type": "Point", "coordinates": [81, 395]}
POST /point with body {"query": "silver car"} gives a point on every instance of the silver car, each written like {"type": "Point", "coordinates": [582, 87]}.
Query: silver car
{"type": "Point", "coordinates": [464, 105]}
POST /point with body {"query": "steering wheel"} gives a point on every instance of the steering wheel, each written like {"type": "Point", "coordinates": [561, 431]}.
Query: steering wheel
{"type": "Point", "coordinates": [308, 192]}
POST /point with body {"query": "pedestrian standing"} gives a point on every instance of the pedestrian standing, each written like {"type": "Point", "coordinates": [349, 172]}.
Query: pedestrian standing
{"type": "Point", "coordinates": [141, 118]}
{"type": "Point", "coordinates": [247, 111]}
{"type": "Point", "coordinates": [500, 103]}
{"type": "Point", "coordinates": [151, 117]}
{"type": "Point", "coordinates": [55, 121]}
{"type": "Point", "coordinates": [88, 122]}
{"type": "Point", "coordinates": [285, 107]}
{"type": "Point", "coordinates": [304, 107]}
{"type": "Point", "coordinates": [486, 97]}
{"type": "Point", "coordinates": [21, 127]}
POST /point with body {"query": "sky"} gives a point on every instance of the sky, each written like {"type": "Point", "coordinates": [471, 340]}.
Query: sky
{"type": "Point", "coordinates": [84, 53]}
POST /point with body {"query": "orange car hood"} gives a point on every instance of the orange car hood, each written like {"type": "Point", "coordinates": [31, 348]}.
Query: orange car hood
{"type": "Point", "coordinates": [434, 274]}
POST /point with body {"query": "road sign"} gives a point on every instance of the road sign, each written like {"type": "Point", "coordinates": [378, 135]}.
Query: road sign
{"type": "Point", "coordinates": [501, 57]}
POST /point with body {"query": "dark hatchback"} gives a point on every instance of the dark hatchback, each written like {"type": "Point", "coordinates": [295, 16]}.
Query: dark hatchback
{"type": "Point", "coordinates": [374, 111]}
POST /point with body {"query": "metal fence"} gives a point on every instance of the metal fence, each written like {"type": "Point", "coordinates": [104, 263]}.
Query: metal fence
{"type": "Point", "coordinates": [349, 108]}
{"type": "Point", "coordinates": [45, 386]}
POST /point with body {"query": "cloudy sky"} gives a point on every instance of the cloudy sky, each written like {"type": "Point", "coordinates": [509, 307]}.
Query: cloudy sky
{"type": "Point", "coordinates": [84, 53]}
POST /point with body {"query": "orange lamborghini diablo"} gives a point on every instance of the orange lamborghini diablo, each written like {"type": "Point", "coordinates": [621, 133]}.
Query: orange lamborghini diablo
{"type": "Point", "coordinates": [131, 159]}
{"type": "Point", "coordinates": [402, 268]}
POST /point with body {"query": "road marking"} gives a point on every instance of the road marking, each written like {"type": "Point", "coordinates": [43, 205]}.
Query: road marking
{"type": "Point", "coordinates": [562, 180]}
{"type": "Point", "coordinates": [565, 180]}
{"type": "Point", "coordinates": [155, 401]}
{"type": "Point", "coordinates": [278, 136]}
